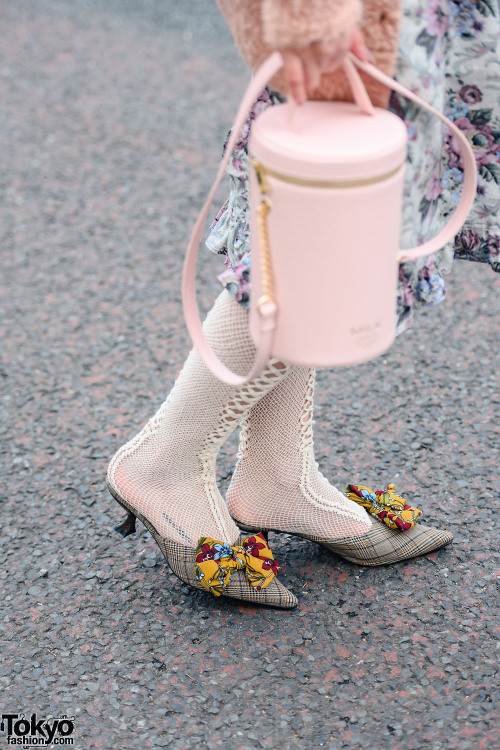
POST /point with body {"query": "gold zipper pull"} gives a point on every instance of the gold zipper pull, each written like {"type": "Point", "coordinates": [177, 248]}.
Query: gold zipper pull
{"type": "Point", "coordinates": [260, 172]}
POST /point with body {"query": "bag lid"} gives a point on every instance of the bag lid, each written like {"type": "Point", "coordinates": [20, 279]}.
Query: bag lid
{"type": "Point", "coordinates": [328, 141]}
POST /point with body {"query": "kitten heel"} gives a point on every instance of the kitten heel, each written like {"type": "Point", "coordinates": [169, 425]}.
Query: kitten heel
{"type": "Point", "coordinates": [127, 526]}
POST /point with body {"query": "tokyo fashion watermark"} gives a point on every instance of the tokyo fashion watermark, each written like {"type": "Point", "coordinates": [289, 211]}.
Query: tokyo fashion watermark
{"type": "Point", "coordinates": [29, 731]}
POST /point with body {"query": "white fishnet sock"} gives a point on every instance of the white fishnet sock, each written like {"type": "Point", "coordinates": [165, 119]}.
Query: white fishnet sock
{"type": "Point", "coordinates": [277, 483]}
{"type": "Point", "coordinates": [167, 471]}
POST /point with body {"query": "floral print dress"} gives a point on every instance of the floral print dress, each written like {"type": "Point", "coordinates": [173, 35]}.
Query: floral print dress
{"type": "Point", "coordinates": [448, 53]}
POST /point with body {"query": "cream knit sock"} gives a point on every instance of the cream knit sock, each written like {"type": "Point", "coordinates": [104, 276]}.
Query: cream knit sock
{"type": "Point", "coordinates": [167, 471]}
{"type": "Point", "coordinates": [277, 484]}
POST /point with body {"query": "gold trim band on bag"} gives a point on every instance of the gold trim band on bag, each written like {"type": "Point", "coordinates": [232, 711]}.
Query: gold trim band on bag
{"type": "Point", "coordinates": [266, 266]}
{"type": "Point", "coordinates": [266, 270]}
{"type": "Point", "coordinates": [261, 171]}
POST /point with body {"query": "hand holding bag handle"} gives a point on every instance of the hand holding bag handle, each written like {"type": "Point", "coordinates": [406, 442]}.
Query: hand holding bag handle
{"type": "Point", "coordinates": [268, 310]}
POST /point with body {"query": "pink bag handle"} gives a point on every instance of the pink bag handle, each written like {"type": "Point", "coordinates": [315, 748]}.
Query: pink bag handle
{"type": "Point", "coordinates": [268, 311]}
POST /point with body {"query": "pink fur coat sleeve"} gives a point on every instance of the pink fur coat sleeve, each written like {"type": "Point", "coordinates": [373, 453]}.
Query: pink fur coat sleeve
{"type": "Point", "coordinates": [295, 22]}
{"type": "Point", "coordinates": [260, 26]}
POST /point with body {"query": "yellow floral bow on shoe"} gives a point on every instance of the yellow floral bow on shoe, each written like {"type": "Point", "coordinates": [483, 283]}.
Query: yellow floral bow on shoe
{"type": "Point", "coordinates": [392, 509]}
{"type": "Point", "coordinates": [215, 561]}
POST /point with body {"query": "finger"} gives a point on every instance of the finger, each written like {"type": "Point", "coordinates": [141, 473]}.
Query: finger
{"type": "Point", "coordinates": [312, 74]}
{"type": "Point", "coordinates": [295, 77]}
{"type": "Point", "coordinates": [333, 63]}
{"type": "Point", "coordinates": [358, 46]}
{"type": "Point", "coordinates": [331, 54]}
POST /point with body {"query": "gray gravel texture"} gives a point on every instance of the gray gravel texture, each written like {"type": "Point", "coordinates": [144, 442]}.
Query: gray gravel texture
{"type": "Point", "coordinates": [112, 119]}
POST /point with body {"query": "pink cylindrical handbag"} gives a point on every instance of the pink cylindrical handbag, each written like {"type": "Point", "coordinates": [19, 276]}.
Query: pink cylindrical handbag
{"type": "Point", "coordinates": [326, 188]}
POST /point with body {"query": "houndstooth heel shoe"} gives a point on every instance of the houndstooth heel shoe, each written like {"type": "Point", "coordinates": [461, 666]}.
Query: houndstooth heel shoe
{"type": "Point", "coordinates": [185, 563]}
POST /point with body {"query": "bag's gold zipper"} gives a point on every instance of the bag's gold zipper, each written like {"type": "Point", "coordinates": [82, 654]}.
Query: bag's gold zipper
{"type": "Point", "coordinates": [265, 206]}
{"type": "Point", "coordinates": [262, 171]}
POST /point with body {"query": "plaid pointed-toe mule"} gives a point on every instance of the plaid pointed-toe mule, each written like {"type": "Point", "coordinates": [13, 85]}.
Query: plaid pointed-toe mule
{"type": "Point", "coordinates": [396, 533]}
{"type": "Point", "coordinates": [380, 545]}
{"type": "Point", "coordinates": [246, 571]}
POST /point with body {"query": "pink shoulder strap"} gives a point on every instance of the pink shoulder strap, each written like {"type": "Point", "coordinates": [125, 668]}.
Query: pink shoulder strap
{"type": "Point", "coordinates": [268, 312]}
{"type": "Point", "coordinates": [191, 312]}
{"type": "Point", "coordinates": [469, 162]}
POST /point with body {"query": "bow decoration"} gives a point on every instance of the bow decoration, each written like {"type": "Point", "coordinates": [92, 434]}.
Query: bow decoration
{"type": "Point", "coordinates": [215, 561]}
{"type": "Point", "coordinates": [390, 508]}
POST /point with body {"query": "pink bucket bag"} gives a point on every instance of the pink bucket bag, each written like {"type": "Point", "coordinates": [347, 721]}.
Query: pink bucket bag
{"type": "Point", "coordinates": [324, 296]}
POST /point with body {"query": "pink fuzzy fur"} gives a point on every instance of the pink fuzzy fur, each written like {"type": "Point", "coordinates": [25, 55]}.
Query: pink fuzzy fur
{"type": "Point", "coordinates": [260, 26]}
